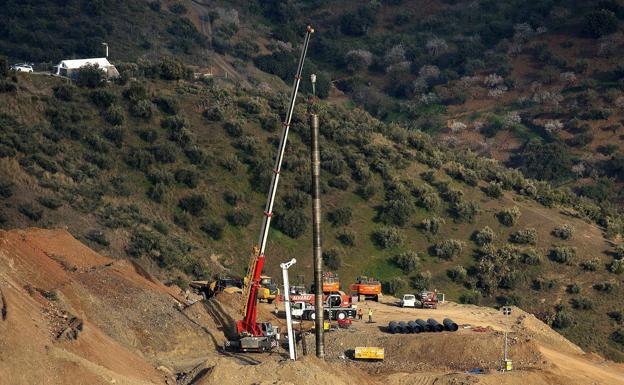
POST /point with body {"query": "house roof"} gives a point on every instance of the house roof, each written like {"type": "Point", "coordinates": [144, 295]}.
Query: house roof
{"type": "Point", "coordinates": [102, 62]}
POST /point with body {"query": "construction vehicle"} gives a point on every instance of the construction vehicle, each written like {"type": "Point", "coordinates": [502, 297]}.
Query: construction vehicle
{"type": "Point", "coordinates": [223, 283]}
{"type": "Point", "coordinates": [366, 287]}
{"type": "Point", "coordinates": [429, 299]}
{"type": "Point", "coordinates": [306, 311]}
{"type": "Point", "coordinates": [268, 289]}
{"type": "Point", "coordinates": [331, 282]}
{"type": "Point", "coordinates": [254, 335]}
{"type": "Point", "coordinates": [336, 299]}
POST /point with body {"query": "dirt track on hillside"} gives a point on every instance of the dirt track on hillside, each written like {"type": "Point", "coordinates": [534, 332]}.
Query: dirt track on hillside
{"type": "Point", "coordinates": [72, 316]}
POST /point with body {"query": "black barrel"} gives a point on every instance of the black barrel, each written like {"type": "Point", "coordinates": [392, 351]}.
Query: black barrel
{"type": "Point", "coordinates": [450, 325]}
{"type": "Point", "coordinates": [403, 328]}
{"type": "Point", "coordinates": [414, 327]}
{"type": "Point", "coordinates": [393, 327]}
{"type": "Point", "coordinates": [435, 326]}
{"type": "Point", "coordinates": [423, 325]}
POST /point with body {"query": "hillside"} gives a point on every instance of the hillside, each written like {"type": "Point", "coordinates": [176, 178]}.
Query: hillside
{"type": "Point", "coordinates": [174, 173]}
{"type": "Point", "coordinates": [72, 316]}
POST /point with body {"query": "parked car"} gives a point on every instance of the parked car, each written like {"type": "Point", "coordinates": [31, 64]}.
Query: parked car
{"type": "Point", "coordinates": [408, 300]}
{"type": "Point", "coordinates": [22, 68]}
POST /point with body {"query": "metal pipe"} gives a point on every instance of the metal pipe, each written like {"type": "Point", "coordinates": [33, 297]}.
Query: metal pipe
{"type": "Point", "coordinates": [291, 338]}
{"type": "Point", "coordinates": [414, 327]}
{"type": "Point", "coordinates": [317, 253]}
{"type": "Point", "coordinates": [424, 325]}
{"type": "Point", "coordinates": [393, 327]}
{"type": "Point", "coordinates": [403, 327]}
{"type": "Point", "coordinates": [450, 325]}
{"type": "Point", "coordinates": [435, 326]}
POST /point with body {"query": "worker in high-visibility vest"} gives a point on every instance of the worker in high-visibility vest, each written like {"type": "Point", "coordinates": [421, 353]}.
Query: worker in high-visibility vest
{"type": "Point", "coordinates": [370, 315]}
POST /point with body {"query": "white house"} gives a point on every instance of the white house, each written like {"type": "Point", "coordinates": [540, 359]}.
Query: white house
{"type": "Point", "coordinates": [68, 68]}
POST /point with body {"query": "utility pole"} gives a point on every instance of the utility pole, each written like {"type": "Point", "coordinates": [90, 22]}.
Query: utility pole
{"type": "Point", "coordinates": [291, 339]}
{"type": "Point", "coordinates": [507, 363]}
{"type": "Point", "coordinates": [315, 164]}
{"type": "Point", "coordinates": [106, 48]}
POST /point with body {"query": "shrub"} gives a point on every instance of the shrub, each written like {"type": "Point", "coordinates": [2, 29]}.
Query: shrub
{"type": "Point", "coordinates": [396, 211]}
{"type": "Point", "coordinates": [98, 237]}
{"type": "Point", "coordinates": [114, 134]}
{"type": "Point", "coordinates": [31, 212]}
{"type": "Point", "coordinates": [157, 192]}
{"type": "Point", "coordinates": [142, 109]}
{"type": "Point", "coordinates": [167, 104]}
{"type": "Point", "coordinates": [270, 123]}
{"type": "Point", "coordinates": [432, 225]}
{"type": "Point", "coordinates": [346, 237]}
{"type": "Point", "coordinates": [407, 261]}
{"type": "Point", "coordinates": [464, 211]}
{"type": "Point", "coordinates": [213, 229]}
{"type": "Point", "coordinates": [582, 303]}
{"type": "Point", "coordinates": [448, 249]}
{"type": "Point", "coordinates": [618, 337]}
{"type": "Point", "coordinates": [616, 315]}
{"type": "Point", "coordinates": [102, 98]}
{"type": "Point", "coordinates": [342, 216]}
{"type": "Point", "coordinates": [493, 190]}
{"type": "Point", "coordinates": [173, 123]}
{"type": "Point", "coordinates": [618, 252]}
{"type": "Point", "coordinates": [573, 288]}
{"type": "Point", "coordinates": [531, 257]}
{"type": "Point", "coordinates": [193, 204]}
{"type": "Point", "coordinates": [90, 76]}
{"type": "Point", "coordinates": [171, 69]}
{"type": "Point", "coordinates": [148, 135]}
{"type": "Point", "coordinates": [64, 92]}
{"type": "Point", "coordinates": [292, 222]}
{"type": "Point", "coordinates": [457, 274]}
{"type": "Point", "coordinates": [591, 264]}
{"type": "Point", "coordinates": [600, 22]}
{"type": "Point", "coordinates": [366, 191]}
{"type": "Point", "coordinates": [421, 281]}
{"type": "Point", "coordinates": [6, 188]}
{"type": "Point", "coordinates": [332, 259]}
{"type": "Point", "coordinates": [387, 237]}
{"type": "Point", "coordinates": [114, 115]}
{"type": "Point", "coordinates": [234, 129]}
{"type": "Point", "coordinates": [50, 202]}
{"type": "Point", "coordinates": [165, 153]}
{"type": "Point", "coordinates": [562, 254]}
{"type": "Point", "coordinates": [395, 286]}
{"type": "Point", "coordinates": [563, 319]}
{"type": "Point", "coordinates": [239, 217]}
{"type": "Point", "coordinates": [484, 236]}
{"type": "Point", "coordinates": [214, 114]}
{"type": "Point", "coordinates": [526, 236]}
{"type": "Point", "coordinates": [564, 232]}
{"type": "Point", "coordinates": [187, 177]}
{"type": "Point", "coordinates": [472, 297]}
{"type": "Point", "coordinates": [509, 217]}
{"type": "Point", "coordinates": [340, 182]}
{"type": "Point", "coordinates": [616, 266]}
{"type": "Point", "coordinates": [605, 287]}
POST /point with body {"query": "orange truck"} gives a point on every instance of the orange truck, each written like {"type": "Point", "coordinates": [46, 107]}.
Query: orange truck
{"type": "Point", "coordinates": [366, 287]}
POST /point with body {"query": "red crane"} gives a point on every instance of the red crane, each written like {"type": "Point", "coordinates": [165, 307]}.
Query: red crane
{"type": "Point", "coordinates": [253, 335]}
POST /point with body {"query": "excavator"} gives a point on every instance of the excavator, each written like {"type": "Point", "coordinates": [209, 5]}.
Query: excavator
{"type": "Point", "coordinates": [254, 336]}
{"type": "Point", "coordinates": [367, 287]}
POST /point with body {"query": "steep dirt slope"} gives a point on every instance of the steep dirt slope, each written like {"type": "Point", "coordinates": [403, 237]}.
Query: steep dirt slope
{"type": "Point", "coordinates": [84, 316]}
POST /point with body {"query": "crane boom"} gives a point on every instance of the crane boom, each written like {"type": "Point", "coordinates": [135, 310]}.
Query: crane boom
{"type": "Point", "coordinates": [248, 325]}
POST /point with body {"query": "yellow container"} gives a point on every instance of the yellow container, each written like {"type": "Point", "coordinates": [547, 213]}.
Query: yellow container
{"type": "Point", "coordinates": [369, 353]}
{"type": "Point", "coordinates": [508, 365]}
{"type": "Point", "coordinates": [325, 325]}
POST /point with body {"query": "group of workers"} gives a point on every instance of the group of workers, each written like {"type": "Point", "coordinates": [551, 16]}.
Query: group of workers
{"type": "Point", "coordinates": [360, 314]}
